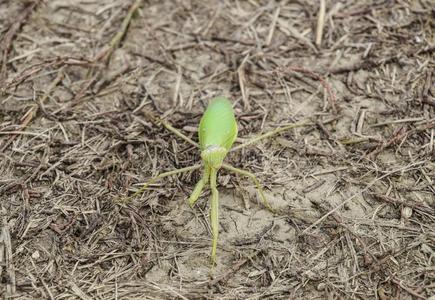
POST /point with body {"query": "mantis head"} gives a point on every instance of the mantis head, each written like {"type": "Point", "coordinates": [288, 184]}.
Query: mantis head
{"type": "Point", "coordinates": [214, 155]}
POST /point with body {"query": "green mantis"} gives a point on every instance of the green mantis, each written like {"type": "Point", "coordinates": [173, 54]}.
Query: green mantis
{"type": "Point", "coordinates": [217, 133]}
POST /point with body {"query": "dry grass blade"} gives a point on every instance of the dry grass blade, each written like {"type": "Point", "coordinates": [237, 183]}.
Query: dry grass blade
{"type": "Point", "coordinates": [6, 257]}
{"type": "Point", "coordinates": [7, 39]}
{"type": "Point", "coordinates": [31, 113]}
{"type": "Point", "coordinates": [105, 53]}
{"type": "Point", "coordinates": [320, 22]}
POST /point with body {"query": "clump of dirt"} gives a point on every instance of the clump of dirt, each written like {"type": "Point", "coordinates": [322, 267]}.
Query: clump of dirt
{"type": "Point", "coordinates": [82, 88]}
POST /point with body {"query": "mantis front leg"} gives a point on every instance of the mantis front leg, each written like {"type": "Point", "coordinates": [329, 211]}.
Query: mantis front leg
{"type": "Point", "coordinates": [162, 175]}
{"type": "Point", "coordinates": [199, 186]}
{"type": "Point", "coordinates": [214, 214]}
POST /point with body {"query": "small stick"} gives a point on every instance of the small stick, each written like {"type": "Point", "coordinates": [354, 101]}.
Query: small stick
{"type": "Point", "coordinates": [398, 136]}
{"type": "Point", "coordinates": [272, 26]}
{"type": "Point", "coordinates": [31, 113]}
{"type": "Point", "coordinates": [410, 291]}
{"type": "Point", "coordinates": [82, 92]}
{"type": "Point", "coordinates": [78, 292]}
{"type": "Point", "coordinates": [107, 52]}
{"type": "Point", "coordinates": [408, 120]}
{"type": "Point", "coordinates": [232, 270]}
{"type": "Point", "coordinates": [177, 89]}
{"type": "Point", "coordinates": [313, 75]}
{"type": "Point", "coordinates": [241, 75]}
{"type": "Point", "coordinates": [364, 64]}
{"type": "Point", "coordinates": [429, 102]}
{"type": "Point", "coordinates": [10, 34]}
{"type": "Point", "coordinates": [320, 23]}
{"type": "Point", "coordinates": [6, 241]}
{"type": "Point", "coordinates": [369, 185]}
{"type": "Point", "coordinates": [360, 123]}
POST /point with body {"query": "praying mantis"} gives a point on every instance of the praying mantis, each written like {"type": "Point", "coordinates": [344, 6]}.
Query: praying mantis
{"type": "Point", "coordinates": [217, 132]}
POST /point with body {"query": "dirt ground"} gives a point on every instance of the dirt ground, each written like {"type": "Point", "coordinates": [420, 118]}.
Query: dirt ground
{"type": "Point", "coordinates": [82, 81]}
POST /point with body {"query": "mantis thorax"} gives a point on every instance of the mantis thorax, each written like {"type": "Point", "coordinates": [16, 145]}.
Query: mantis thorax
{"type": "Point", "coordinates": [214, 155]}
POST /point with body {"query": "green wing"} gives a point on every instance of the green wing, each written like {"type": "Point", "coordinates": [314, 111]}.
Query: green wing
{"type": "Point", "coordinates": [218, 125]}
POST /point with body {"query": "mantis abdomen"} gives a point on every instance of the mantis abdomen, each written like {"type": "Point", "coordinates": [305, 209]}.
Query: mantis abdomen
{"type": "Point", "coordinates": [218, 125]}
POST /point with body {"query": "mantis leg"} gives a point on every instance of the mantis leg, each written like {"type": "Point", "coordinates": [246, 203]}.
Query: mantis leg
{"type": "Point", "coordinates": [166, 174]}
{"type": "Point", "coordinates": [171, 129]}
{"type": "Point", "coordinates": [214, 214]}
{"type": "Point", "coordinates": [199, 187]}
{"type": "Point", "coordinates": [271, 133]}
{"type": "Point", "coordinates": [178, 133]}
{"type": "Point", "coordinates": [255, 180]}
